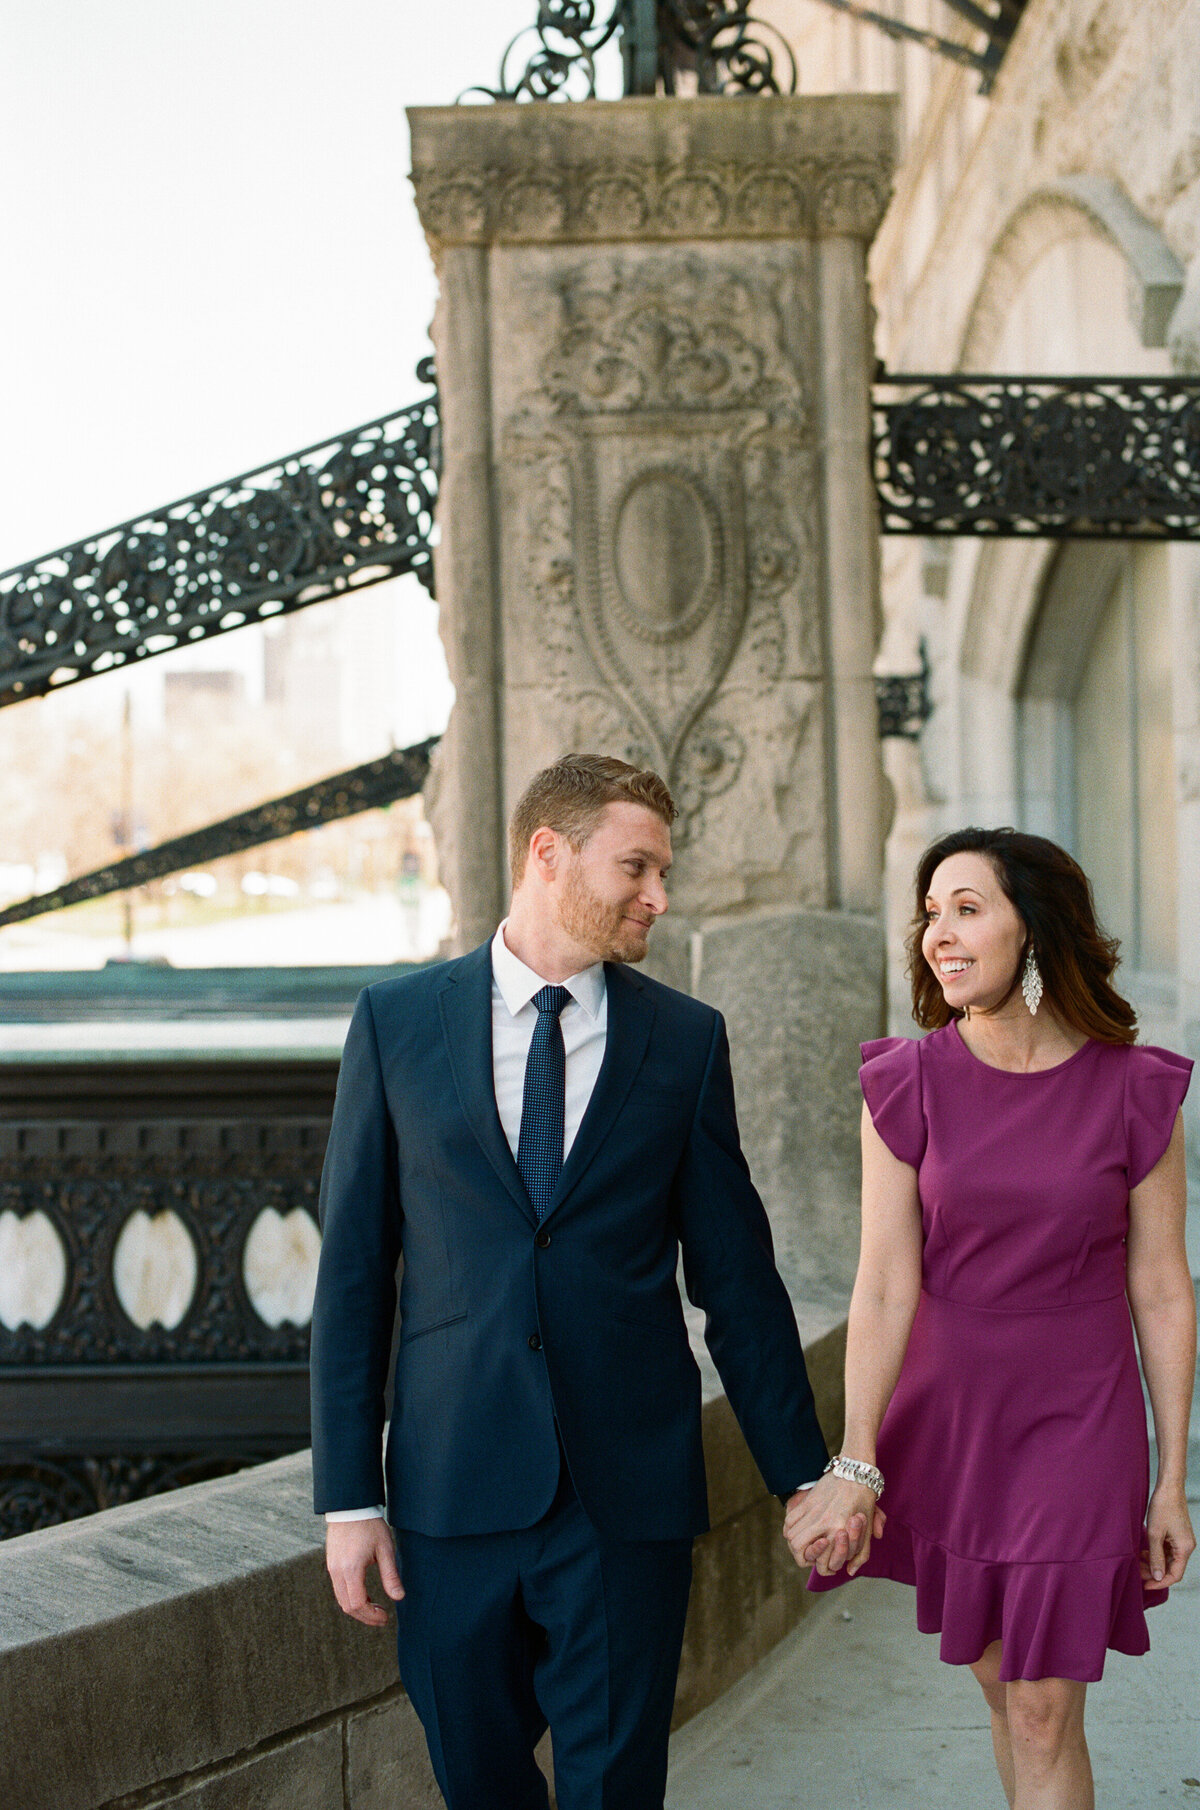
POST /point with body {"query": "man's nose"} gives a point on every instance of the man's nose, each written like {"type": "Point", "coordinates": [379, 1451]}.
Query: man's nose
{"type": "Point", "coordinates": [655, 898]}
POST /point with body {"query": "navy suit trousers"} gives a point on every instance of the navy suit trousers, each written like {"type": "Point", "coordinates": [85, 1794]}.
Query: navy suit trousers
{"type": "Point", "coordinates": [501, 1634]}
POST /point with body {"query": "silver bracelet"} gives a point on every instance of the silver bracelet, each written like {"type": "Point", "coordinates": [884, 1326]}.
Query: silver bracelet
{"type": "Point", "coordinates": [855, 1471]}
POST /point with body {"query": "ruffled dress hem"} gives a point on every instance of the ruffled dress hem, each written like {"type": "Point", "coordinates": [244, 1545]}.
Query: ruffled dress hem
{"type": "Point", "coordinates": [1053, 1619]}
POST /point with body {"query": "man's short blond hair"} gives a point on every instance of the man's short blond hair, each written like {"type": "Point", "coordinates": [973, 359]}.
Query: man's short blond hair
{"type": "Point", "coordinates": [570, 796]}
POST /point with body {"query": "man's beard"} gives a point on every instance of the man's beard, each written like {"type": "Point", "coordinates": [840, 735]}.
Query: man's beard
{"type": "Point", "coordinates": [601, 928]}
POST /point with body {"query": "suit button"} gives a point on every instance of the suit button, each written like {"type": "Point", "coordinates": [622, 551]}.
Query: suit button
{"type": "Point", "coordinates": [535, 1344]}
{"type": "Point", "coordinates": [542, 1241]}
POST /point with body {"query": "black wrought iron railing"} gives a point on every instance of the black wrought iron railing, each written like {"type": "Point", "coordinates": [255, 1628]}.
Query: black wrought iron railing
{"type": "Point", "coordinates": [97, 1407]}
{"type": "Point", "coordinates": [1048, 457]}
{"type": "Point", "coordinates": [352, 510]}
{"type": "Point", "coordinates": [954, 455]}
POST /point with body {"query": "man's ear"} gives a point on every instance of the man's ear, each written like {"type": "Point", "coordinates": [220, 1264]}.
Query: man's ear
{"type": "Point", "coordinates": [545, 852]}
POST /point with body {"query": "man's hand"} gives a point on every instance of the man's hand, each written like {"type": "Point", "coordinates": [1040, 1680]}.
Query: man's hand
{"type": "Point", "coordinates": [351, 1548]}
{"type": "Point", "coordinates": [832, 1525]}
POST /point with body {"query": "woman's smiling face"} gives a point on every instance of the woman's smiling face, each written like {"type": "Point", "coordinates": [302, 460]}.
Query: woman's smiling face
{"type": "Point", "coordinates": [973, 936]}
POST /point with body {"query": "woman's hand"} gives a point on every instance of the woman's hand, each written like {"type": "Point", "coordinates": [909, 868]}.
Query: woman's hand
{"type": "Point", "coordinates": [832, 1524]}
{"type": "Point", "coordinates": [1170, 1540]}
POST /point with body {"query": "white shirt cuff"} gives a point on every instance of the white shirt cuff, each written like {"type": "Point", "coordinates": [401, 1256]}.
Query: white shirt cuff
{"type": "Point", "coordinates": [354, 1514]}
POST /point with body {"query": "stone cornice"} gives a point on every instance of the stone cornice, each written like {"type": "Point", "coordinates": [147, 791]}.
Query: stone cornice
{"type": "Point", "coordinates": [777, 167]}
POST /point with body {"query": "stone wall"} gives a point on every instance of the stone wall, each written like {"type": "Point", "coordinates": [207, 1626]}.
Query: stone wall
{"type": "Point", "coordinates": [187, 1650]}
{"type": "Point", "coordinates": [1094, 89]}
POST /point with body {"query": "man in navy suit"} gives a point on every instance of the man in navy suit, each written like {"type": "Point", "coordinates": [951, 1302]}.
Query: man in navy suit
{"type": "Point", "coordinates": [539, 1132]}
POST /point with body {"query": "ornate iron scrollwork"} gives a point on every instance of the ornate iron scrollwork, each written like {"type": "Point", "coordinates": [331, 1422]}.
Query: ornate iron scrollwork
{"type": "Point", "coordinates": [399, 774]}
{"type": "Point", "coordinates": [902, 700]}
{"type": "Point", "coordinates": [1050, 457]}
{"type": "Point", "coordinates": [352, 510]}
{"type": "Point", "coordinates": [95, 1408]}
{"type": "Point", "coordinates": [718, 42]}
{"type": "Point", "coordinates": [215, 1177]}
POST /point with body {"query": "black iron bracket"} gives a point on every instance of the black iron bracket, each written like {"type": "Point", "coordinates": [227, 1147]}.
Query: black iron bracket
{"type": "Point", "coordinates": [397, 775]}
{"type": "Point", "coordinates": [902, 700]}
{"type": "Point", "coordinates": [1042, 457]}
{"type": "Point", "coordinates": [997, 28]}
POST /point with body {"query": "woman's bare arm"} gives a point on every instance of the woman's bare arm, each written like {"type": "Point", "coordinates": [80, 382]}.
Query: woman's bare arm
{"type": "Point", "coordinates": [886, 1291]}
{"type": "Point", "coordinates": [1162, 1299]}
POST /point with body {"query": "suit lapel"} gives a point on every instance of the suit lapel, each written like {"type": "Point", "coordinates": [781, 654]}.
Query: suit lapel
{"type": "Point", "coordinates": [466, 1008]}
{"type": "Point", "coordinates": [630, 1016]}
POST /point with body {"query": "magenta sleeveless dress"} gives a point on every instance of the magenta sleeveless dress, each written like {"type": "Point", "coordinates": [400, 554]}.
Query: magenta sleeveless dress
{"type": "Point", "coordinates": [1014, 1448]}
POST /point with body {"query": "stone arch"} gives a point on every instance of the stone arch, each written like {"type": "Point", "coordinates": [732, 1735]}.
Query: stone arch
{"type": "Point", "coordinates": [1008, 581]}
{"type": "Point", "coordinates": [1074, 207]}
{"type": "Point", "coordinates": [999, 587]}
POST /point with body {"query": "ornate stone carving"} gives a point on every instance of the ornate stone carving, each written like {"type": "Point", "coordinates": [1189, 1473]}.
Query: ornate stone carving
{"type": "Point", "coordinates": [610, 205]}
{"type": "Point", "coordinates": [695, 204]}
{"type": "Point", "coordinates": [532, 208]}
{"type": "Point", "coordinates": [850, 202]}
{"type": "Point", "coordinates": [651, 462]}
{"type": "Point", "coordinates": [762, 169]}
{"type": "Point", "coordinates": [770, 201]}
{"type": "Point", "coordinates": [662, 620]}
{"type": "Point", "coordinates": [614, 203]}
{"type": "Point", "coordinates": [455, 210]}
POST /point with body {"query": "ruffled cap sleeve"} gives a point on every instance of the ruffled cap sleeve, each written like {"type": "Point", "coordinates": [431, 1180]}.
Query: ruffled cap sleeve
{"type": "Point", "coordinates": [891, 1084]}
{"type": "Point", "coordinates": [1155, 1084]}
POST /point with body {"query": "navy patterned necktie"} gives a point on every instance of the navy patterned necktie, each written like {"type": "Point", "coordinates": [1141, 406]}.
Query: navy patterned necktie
{"type": "Point", "coordinates": [540, 1145]}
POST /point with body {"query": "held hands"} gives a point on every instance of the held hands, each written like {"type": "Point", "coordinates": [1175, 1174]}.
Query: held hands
{"type": "Point", "coordinates": [351, 1548]}
{"type": "Point", "coordinates": [832, 1524]}
{"type": "Point", "coordinates": [1170, 1540]}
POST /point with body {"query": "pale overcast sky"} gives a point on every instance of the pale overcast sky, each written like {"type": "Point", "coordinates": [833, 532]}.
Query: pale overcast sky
{"type": "Point", "coordinates": [211, 254]}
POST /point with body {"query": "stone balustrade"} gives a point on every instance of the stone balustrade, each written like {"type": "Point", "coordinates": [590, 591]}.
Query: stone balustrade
{"type": "Point", "coordinates": [186, 1650]}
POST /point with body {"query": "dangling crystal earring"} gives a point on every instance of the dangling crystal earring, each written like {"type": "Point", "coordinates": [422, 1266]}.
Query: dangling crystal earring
{"type": "Point", "coordinates": [1031, 984]}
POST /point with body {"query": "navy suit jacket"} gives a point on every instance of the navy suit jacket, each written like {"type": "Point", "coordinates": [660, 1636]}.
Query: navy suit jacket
{"type": "Point", "coordinates": [508, 1327]}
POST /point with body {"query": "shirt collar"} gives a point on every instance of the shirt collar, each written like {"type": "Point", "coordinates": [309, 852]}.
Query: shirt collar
{"type": "Point", "coordinates": [518, 983]}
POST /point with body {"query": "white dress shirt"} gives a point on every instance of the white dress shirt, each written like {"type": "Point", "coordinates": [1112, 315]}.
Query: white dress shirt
{"type": "Point", "coordinates": [584, 1022]}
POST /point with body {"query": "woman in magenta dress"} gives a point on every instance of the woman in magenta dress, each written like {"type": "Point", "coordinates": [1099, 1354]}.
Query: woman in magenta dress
{"type": "Point", "coordinates": [1023, 1194]}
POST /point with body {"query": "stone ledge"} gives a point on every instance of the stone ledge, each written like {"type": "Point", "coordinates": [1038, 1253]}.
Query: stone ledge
{"type": "Point", "coordinates": [187, 1650]}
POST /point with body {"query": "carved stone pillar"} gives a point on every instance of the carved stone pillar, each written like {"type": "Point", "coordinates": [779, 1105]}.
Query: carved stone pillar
{"type": "Point", "coordinates": [658, 540]}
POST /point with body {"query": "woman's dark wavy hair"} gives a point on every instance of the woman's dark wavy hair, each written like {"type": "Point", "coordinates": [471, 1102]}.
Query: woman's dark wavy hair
{"type": "Point", "coordinates": [1053, 898]}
